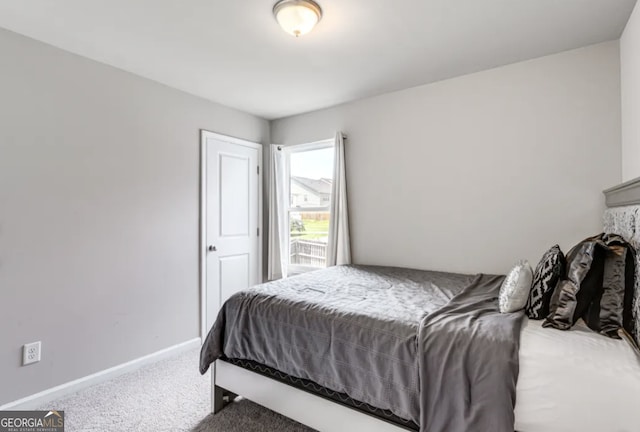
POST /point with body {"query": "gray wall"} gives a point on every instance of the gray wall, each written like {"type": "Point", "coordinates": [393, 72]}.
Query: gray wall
{"type": "Point", "coordinates": [99, 194]}
{"type": "Point", "coordinates": [630, 77]}
{"type": "Point", "coordinates": [474, 173]}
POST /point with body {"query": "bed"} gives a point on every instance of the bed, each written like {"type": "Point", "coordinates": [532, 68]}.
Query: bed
{"type": "Point", "coordinates": [392, 339]}
{"type": "Point", "coordinates": [555, 371]}
{"type": "Point", "coordinates": [432, 353]}
{"type": "Point", "coordinates": [552, 392]}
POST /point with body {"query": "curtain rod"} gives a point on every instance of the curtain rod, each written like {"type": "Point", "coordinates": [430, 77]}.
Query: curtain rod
{"type": "Point", "coordinates": [279, 146]}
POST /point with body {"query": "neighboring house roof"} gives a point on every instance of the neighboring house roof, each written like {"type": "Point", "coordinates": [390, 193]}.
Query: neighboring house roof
{"type": "Point", "coordinates": [318, 187]}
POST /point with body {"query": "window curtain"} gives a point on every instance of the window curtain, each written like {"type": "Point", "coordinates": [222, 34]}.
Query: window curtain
{"type": "Point", "coordinates": [339, 246]}
{"type": "Point", "coordinates": [278, 215]}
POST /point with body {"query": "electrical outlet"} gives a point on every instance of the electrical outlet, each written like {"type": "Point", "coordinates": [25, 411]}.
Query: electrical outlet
{"type": "Point", "coordinates": [31, 353]}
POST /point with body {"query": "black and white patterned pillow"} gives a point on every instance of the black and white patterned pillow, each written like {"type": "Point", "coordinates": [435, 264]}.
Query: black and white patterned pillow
{"type": "Point", "coordinates": [545, 278]}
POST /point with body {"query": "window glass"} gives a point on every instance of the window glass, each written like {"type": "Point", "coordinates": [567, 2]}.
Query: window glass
{"type": "Point", "coordinates": [310, 181]}
{"type": "Point", "coordinates": [311, 177]}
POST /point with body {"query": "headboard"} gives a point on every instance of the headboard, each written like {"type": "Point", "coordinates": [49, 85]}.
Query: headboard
{"type": "Point", "coordinates": [622, 217]}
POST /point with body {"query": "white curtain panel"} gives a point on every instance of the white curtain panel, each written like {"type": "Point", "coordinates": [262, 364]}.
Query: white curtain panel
{"type": "Point", "coordinates": [278, 215]}
{"type": "Point", "coordinates": [339, 243]}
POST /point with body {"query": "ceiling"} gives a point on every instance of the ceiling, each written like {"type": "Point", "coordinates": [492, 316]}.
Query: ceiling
{"type": "Point", "coordinates": [233, 52]}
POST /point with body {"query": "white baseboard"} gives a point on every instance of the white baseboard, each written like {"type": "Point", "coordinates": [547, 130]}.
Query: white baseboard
{"type": "Point", "coordinates": [39, 399]}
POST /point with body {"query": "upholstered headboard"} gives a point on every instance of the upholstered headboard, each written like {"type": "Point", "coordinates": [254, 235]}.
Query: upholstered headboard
{"type": "Point", "coordinates": [622, 217]}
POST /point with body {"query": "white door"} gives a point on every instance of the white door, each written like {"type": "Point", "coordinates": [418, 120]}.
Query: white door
{"type": "Point", "coordinates": [231, 196]}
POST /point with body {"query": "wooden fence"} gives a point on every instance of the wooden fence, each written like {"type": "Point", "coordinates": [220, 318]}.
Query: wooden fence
{"type": "Point", "coordinates": [310, 253]}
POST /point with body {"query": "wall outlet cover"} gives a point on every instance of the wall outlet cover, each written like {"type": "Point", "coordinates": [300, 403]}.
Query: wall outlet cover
{"type": "Point", "coordinates": [31, 353]}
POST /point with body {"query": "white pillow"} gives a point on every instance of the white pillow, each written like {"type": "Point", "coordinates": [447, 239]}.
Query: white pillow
{"type": "Point", "coordinates": [515, 289]}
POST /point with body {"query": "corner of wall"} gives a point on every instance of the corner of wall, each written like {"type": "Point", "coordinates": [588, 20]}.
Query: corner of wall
{"type": "Point", "coordinates": [630, 96]}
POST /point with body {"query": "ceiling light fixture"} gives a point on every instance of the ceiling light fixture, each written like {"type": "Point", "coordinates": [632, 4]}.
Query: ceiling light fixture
{"type": "Point", "coordinates": [297, 17]}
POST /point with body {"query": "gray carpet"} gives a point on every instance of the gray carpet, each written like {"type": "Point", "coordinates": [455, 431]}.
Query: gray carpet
{"type": "Point", "coordinates": [170, 395]}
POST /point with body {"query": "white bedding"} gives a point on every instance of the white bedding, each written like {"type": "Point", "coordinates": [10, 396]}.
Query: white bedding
{"type": "Point", "coordinates": [576, 380]}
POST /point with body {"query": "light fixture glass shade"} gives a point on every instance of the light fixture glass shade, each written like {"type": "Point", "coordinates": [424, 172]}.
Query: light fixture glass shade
{"type": "Point", "coordinates": [297, 17]}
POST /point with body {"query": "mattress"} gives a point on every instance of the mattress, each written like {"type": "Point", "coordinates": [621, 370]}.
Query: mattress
{"type": "Point", "coordinates": [576, 381]}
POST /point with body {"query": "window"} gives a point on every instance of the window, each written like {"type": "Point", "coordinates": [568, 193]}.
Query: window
{"type": "Point", "coordinates": [310, 169]}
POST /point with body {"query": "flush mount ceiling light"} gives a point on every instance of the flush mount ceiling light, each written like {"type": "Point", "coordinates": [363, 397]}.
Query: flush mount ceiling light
{"type": "Point", "coordinates": [297, 17]}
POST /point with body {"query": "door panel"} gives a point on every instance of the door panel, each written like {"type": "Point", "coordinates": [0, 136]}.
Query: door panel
{"type": "Point", "coordinates": [235, 195]}
{"type": "Point", "coordinates": [232, 219]}
{"type": "Point", "coordinates": [234, 274]}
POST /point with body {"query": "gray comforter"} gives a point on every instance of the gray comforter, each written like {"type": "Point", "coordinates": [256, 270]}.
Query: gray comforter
{"type": "Point", "coordinates": [430, 347]}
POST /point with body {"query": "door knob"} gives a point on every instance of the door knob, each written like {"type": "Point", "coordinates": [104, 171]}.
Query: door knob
{"type": "Point", "coordinates": [212, 248]}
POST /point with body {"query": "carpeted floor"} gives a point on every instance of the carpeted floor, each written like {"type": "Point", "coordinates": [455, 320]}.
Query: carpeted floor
{"type": "Point", "coordinates": [170, 395]}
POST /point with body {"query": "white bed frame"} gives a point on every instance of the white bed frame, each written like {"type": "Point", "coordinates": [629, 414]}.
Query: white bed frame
{"type": "Point", "coordinates": [228, 381]}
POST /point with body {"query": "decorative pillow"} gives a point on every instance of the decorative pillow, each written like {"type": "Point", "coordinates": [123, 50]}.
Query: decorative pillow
{"type": "Point", "coordinates": [545, 278]}
{"type": "Point", "coordinates": [580, 285]}
{"type": "Point", "coordinates": [514, 291]}
{"type": "Point", "coordinates": [611, 308]}
{"type": "Point", "coordinates": [631, 318]}
{"type": "Point", "coordinates": [625, 221]}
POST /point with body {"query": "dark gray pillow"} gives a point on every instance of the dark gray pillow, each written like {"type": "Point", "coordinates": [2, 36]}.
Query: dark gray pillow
{"type": "Point", "coordinates": [579, 285]}
{"type": "Point", "coordinates": [545, 278]}
{"type": "Point", "coordinates": [611, 308]}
